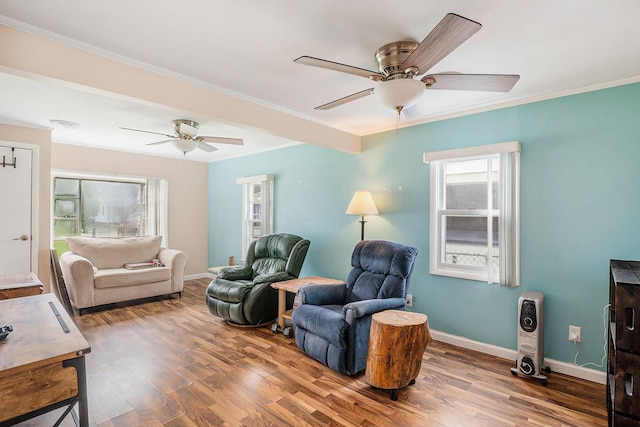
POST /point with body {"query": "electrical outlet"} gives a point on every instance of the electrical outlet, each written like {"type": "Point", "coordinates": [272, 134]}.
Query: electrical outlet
{"type": "Point", "coordinates": [409, 301]}
{"type": "Point", "coordinates": [575, 333]}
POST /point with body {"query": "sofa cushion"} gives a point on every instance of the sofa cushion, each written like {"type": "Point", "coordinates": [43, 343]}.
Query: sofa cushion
{"type": "Point", "coordinates": [115, 277]}
{"type": "Point", "coordinates": [104, 252]}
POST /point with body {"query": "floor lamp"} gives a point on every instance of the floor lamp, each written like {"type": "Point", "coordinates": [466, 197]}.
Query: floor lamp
{"type": "Point", "coordinates": [362, 204]}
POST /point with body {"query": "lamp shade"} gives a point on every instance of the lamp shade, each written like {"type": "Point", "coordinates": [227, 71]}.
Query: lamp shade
{"type": "Point", "coordinates": [399, 93]}
{"type": "Point", "coordinates": [184, 145]}
{"type": "Point", "coordinates": [362, 204]}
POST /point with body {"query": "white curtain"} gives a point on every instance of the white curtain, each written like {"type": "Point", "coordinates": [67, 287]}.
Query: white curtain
{"type": "Point", "coordinates": [509, 221]}
{"type": "Point", "coordinates": [158, 209]}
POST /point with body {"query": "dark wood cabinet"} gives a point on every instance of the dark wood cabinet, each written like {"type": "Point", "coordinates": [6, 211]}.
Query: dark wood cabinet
{"type": "Point", "coordinates": [19, 285]}
{"type": "Point", "coordinates": [623, 371]}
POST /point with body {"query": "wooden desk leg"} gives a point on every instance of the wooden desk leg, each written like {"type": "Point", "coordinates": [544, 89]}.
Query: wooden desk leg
{"type": "Point", "coordinates": [282, 307]}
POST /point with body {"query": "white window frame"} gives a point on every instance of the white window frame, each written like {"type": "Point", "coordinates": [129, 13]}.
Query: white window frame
{"type": "Point", "coordinates": [157, 199]}
{"type": "Point", "coordinates": [508, 213]}
{"type": "Point", "coordinates": [255, 226]}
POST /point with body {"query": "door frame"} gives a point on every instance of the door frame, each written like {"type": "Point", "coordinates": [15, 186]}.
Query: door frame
{"type": "Point", "coordinates": [35, 197]}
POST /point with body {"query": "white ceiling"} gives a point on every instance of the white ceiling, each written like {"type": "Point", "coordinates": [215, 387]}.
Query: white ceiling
{"type": "Point", "coordinates": [246, 48]}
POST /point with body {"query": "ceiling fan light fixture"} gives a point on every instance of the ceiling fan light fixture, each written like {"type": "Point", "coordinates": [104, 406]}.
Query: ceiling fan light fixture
{"type": "Point", "coordinates": [399, 93]}
{"type": "Point", "coordinates": [63, 124]}
{"type": "Point", "coordinates": [184, 145]}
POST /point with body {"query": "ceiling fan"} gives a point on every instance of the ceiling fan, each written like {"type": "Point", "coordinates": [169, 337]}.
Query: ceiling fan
{"type": "Point", "coordinates": [400, 63]}
{"type": "Point", "coordinates": [185, 138]}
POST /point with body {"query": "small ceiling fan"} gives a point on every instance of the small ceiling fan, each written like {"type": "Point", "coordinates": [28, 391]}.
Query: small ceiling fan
{"type": "Point", "coordinates": [185, 138]}
{"type": "Point", "coordinates": [400, 63]}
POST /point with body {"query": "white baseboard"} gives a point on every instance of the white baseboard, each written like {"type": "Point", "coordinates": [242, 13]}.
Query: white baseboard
{"type": "Point", "coordinates": [199, 276]}
{"type": "Point", "coordinates": [506, 353]}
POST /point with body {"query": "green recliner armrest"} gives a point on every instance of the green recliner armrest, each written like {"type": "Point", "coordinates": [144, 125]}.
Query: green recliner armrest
{"type": "Point", "coordinates": [238, 273]}
{"type": "Point", "coordinates": [280, 276]}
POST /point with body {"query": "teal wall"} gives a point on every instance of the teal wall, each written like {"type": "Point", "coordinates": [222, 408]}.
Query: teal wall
{"type": "Point", "coordinates": [580, 207]}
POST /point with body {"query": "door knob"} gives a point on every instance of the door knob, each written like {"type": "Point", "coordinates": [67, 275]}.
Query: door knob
{"type": "Point", "coordinates": [23, 237]}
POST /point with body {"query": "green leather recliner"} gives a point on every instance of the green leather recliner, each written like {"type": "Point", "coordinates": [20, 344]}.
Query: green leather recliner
{"type": "Point", "coordinates": [243, 295]}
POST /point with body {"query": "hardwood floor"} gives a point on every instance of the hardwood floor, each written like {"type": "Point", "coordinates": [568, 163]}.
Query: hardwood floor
{"type": "Point", "coordinates": [168, 362]}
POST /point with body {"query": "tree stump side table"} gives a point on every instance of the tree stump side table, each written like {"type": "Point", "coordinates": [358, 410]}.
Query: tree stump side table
{"type": "Point", "coordinates": [397, 342]}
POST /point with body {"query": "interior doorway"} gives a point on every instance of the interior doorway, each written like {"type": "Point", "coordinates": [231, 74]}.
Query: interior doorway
{"type": "Point", "coordinates": [17, 191]}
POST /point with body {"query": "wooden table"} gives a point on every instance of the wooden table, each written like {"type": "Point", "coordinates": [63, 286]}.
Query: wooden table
{"type": "Point", "coordinates": [216, 270]}
{"type": "Point", "coordinates": [293, 286]}
{"type": "Point", "coordinates": [397, 341]}
{"type": "Point", "coordinates": [19, 285]}
{"type": "Point", "coordinates": [42, 364]}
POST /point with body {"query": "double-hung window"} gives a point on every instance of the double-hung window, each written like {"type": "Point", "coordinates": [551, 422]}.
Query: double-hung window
{"type": "Point", "coordinates": [474, 210]}
{"type": "Point", "coordinates": [257, 208]}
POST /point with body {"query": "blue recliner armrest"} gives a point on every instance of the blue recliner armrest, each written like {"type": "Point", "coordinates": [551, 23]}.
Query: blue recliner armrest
{"type": "Point", "coordinates": [358, 309]}
{"type": "Point", "coordinates": [357, 315]}
{"type": "Point", "coordinates": [322, 294]}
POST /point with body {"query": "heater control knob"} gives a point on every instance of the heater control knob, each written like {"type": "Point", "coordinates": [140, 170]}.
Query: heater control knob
{"type": "Point", "coordinates": [528, 321]}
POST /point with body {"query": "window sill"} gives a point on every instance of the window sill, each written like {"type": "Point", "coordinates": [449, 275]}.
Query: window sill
{"type": "Point", "coordinates": [478, 276]}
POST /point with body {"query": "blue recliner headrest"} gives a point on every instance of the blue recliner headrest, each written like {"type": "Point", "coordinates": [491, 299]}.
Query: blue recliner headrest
{"type": "Point", "coordinates": [380, 270]}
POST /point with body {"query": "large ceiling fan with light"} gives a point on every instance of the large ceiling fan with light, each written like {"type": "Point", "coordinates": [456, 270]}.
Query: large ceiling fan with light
{"type": "Point", "coordinates": [401, 63]}
{"type": "Point", "coordinates": [185, 138]}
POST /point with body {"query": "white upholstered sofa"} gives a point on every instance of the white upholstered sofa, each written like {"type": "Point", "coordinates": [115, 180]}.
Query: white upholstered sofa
{"type": "Point", "coordinates": [94, 270]}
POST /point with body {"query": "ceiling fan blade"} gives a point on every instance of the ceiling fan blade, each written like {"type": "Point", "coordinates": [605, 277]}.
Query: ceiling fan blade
{"type": "Point", "coordinates": [148, 131]}
{"type": "Point", "coordinates": [450, 33]}
{"type": "Point", "coordinates": [159, 142]}
{"type": "Point", "coordinates": [206, 147]}
{"type": "Point", "coordinates": [346, 99]}
{"type": "Point", "coordinates": [220, 140]}
{"type": "Point", "coordinates": [336, 66]}
{"type": "Point", "coordinates": [479, 82]}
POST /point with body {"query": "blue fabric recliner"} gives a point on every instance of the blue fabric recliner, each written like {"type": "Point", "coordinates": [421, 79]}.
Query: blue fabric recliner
{"type": "Point", "coordinates": [333, 321]}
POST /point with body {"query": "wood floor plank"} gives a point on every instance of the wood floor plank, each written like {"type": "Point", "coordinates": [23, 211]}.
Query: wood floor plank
{"type": "Point", "coordinates": [193, 401]}
{"type": "Point", "coordinates": [169, 362]}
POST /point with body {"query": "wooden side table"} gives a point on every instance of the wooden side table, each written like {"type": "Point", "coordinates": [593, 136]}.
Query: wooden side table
{"type": "Point", "coordinates": [19, 285]}
{"type": "Point", "coordinates": [397, 341]}
{"type": "Point", "coordinates": [216, 270]}
{"type": "Point", "coordinates": [293, 286]}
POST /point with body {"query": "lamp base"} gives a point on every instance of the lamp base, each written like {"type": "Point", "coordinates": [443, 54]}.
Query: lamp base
{"type": "Point", "coordinates": [362, 221]}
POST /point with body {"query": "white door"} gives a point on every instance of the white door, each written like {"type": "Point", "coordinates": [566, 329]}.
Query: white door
{"type": "Point", "coordinates": [15, 210]}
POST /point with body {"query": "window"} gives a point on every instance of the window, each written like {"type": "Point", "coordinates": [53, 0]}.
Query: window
{"type": "Point", "coordinates": [100, 207]}
{"type": "Point", "coordinates": [257, 208]}
{"type": "Point", "coordinates": [474, 211]}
